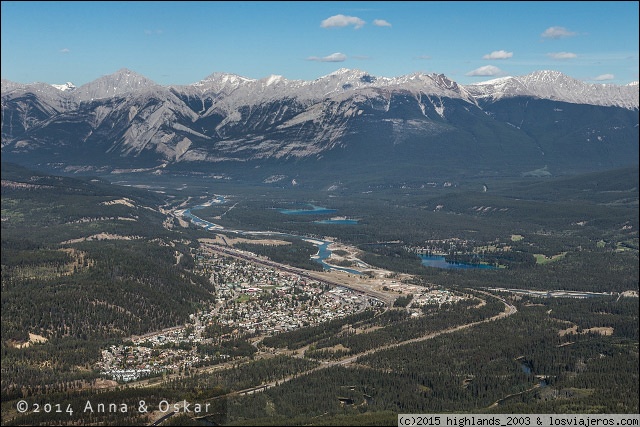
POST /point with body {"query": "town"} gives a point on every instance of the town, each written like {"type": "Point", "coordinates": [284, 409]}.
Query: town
{"type": "Point", "coordinates": [253, 300]}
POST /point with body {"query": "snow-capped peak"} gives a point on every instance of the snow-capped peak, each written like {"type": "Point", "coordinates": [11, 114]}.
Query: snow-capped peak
{"type": "Point", "coordinates": [344, 71]}
{"type": "Point", "coordinates": [224, 78]}
{"type": "Point", "coordinates": [116, 84]}
{"type": "Point", "coordinates": [347, 75]}
{"type": "Point", "coordinates": [272, 79]}
{"type": "Point", "coordinates": [546, 76]}
{"type": "Point", "coordinates": [232, 90]}
{"type": "Point", "coordinates": [497, 81]}
{"type": "Point", "coordinates": [64, 87]}
{"type": "Point", "coordinates": [221, 82]}
{"type": "Point", "coordinates": [555, 86]}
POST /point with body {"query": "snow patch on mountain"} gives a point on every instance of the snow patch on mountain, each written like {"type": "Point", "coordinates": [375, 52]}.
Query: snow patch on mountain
{"type": "Point", "coordinates": [64, 87]}
{"type": "Point", "coordinates": [119, 83]}
{"type": "Point", "coordinates": [556, 86]}
{"type": "Point", "coordinates": [229, 92]}
{"type": "Point", "coordinates": [230, 117]}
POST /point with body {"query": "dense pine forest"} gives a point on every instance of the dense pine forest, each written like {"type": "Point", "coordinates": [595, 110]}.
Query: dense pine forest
{"type": "Point", "coordinates": [87, 264]}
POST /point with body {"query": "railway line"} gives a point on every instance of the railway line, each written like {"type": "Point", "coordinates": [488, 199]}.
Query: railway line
{"type": "Point", "coordinates": [386, 299]}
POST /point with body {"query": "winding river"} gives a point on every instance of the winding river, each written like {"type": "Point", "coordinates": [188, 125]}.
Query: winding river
{"type": "Point", "coordinates": [323, 245]}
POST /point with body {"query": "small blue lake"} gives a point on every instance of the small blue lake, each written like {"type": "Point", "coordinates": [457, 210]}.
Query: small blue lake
{"type": "Point", "coordinates": [323, 245]}
{"type": "Point", "coordinates": [338, 221]}
{"type": "Point", "coordinates": [319, 210]}
{"type": "Point", "coordinates": [439, 261]}
{"type": "Point", "coordinates": [315, 210]}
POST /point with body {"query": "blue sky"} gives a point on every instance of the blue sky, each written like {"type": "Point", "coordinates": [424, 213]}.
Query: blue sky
{"type": "Point", "coordinates": [184, 42]}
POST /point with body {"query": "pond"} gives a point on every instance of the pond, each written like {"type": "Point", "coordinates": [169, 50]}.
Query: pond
{"type": "Point", "coordinates": [315, 210]}
{"type": "Point", "coordinates": [439, 261]}
{"type": "Point", "coordinates": [338, 220]}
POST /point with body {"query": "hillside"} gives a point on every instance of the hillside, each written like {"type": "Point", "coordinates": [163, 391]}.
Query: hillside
{"type": "Point", "coordinates": [347, 125]}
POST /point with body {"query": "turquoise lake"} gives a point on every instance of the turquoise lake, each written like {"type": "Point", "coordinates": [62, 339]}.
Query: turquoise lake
{"type": "Point", "coordinates": [338, 221]}
{"type": "Point", "coordinates": [315, 210]}
{"type": "Point", "coordinates": [439, 261]}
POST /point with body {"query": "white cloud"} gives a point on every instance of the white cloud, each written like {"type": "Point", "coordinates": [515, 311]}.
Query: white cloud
{"type": "Point", "coordinates": [334, 57]}
{"type": "Point", "coordinates": [498, 54]}
{"type": "Point", "coordinates": [487, 70]}
{"type": "Point", "coordinates": [562, 55]}
{"type": "Point", "coordinates": [557, 33]}
{"type": "Point", "coordinates": [342, 21]}
{"type": "Point", "coordinates": [381, 23]}
{"type": "Point", "coordinates": [605, 77]}
{"type": "Point", "coordinates": [65, 50]}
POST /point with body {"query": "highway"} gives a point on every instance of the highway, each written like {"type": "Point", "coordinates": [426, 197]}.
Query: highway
{"type": "Point", "coordinates": [509, 310]}
{"type": "Point", "coordinates": [387, 299]}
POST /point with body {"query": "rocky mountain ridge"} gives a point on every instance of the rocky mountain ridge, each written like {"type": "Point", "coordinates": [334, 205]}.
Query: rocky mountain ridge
{"type": "Point", "coordinates": [126, 119]}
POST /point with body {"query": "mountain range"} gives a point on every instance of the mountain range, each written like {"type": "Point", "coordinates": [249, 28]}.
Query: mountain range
{"type": "Point", "coordinates": [342, 126]}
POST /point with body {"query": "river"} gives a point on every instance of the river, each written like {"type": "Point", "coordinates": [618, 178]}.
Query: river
{"type": "Point", "coordinates": [323, 245]}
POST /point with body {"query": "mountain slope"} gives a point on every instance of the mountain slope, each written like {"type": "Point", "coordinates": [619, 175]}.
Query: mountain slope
{"type": "Point", "coordinates": [422, 124]}
{"type": "Point", "coordinates": [555, 86]}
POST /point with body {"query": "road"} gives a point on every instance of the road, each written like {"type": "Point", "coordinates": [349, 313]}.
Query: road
{"type": "Point", "coordinates": [387, 299]}
{"type": "Point", "coordinates": [509, 310]}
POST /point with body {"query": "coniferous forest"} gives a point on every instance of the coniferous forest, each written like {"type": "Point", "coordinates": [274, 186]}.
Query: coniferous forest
{"type": "Point", "coordinates": [88, 265]}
